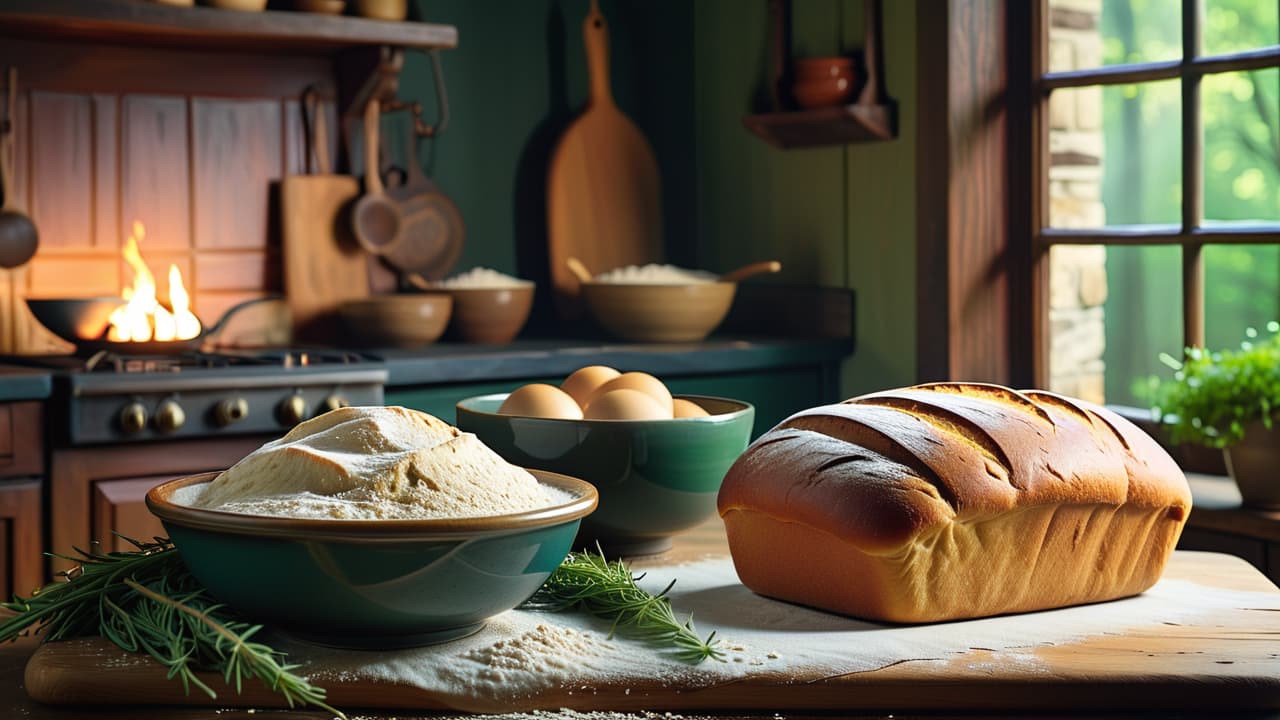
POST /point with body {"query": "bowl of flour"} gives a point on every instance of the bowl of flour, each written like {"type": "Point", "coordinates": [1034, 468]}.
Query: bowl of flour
{"type": "Point", "coordinates": [373, 528]}
{"type": "Point", "coordinates": [658, 303]}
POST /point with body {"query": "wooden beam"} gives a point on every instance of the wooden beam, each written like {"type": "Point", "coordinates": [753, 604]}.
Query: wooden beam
{"type": "Point", "coordinates": [964, 266]}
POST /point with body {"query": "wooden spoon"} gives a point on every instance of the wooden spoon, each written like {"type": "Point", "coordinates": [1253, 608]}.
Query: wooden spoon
{"type": "Point", "coordinates": [579, 270]}
{"type": "Point", "coordinates": [746, 271]}
{"type": "Point", "coordinates": [18, 236]}
{"type": "Point", "coordinates": [375, 218]}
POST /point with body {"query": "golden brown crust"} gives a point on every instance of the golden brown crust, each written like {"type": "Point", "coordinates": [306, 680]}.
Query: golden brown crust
{"type": "Point", "coordinates": [890, 473]}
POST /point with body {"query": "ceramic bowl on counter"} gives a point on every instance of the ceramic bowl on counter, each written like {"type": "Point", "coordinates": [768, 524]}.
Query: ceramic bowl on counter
{"type": "Point", "coordinates": [655, 477]}
{"type": "Point", "coordinates": [673, 312]}
{"type": "Point", "coordinates": [399, 320]}
{"type": "Point", "coordinates": [372, 583]}
{"type": "Point", "coordinates": [491, 316]}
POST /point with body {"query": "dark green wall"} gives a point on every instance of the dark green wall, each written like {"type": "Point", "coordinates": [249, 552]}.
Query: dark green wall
{"type": "Point", "coordinates": [687, 72]}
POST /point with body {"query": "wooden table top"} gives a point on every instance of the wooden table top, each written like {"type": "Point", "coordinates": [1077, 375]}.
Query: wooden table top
{"type": "Point", "coordinates": [708, 538]}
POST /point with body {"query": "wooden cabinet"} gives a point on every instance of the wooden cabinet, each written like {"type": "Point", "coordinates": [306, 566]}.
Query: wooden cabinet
{"type": "Point", "coordinates": [21, 468]}
{"type": "Point", "coordinates": [94, 491]}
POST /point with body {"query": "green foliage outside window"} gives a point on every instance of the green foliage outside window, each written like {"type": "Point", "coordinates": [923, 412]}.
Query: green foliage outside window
{"type": "Point", "coordinates": [1142, 170]}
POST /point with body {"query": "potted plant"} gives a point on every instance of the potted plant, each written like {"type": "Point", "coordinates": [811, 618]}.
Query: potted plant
{"type": "Point", "coordinates": [1230, 399]}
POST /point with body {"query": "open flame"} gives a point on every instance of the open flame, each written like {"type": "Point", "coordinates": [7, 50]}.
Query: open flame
{"type": "Point", "coordinates": [142, 317]}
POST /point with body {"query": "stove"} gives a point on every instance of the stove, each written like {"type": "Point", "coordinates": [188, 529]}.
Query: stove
{"type": "Point", "coordinates": [117, 398]}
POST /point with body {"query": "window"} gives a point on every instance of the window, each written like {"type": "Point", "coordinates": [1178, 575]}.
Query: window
{"type": "Point", "coordinates": [1157, 198]}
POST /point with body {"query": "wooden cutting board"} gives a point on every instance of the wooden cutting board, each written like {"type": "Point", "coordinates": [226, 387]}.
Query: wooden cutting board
{"type": "Point", "coordinates": [323, 265]}
{"type": "Point", "coordinates": [1226, 659]}
{"type": "Point", "coordinates": [604, 203]}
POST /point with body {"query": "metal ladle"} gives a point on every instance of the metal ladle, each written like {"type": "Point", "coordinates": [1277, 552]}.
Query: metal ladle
{"type": "Point", "coordinates": [18, 236]}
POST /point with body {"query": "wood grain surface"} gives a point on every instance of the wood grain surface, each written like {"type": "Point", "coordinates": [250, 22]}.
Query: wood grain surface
{"type": "Point", "coordinates": [1228, 661]}
{"type": "Point", "coordinates": [604, 203]}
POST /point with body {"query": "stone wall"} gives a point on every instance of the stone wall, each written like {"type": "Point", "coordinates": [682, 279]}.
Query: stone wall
{"type": "Point", "coordinates": [1078, 276]}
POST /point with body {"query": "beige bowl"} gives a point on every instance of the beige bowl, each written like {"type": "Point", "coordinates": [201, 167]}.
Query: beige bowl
{"type": "Point", "coordinates": [489, 315]}
{"type": "Point", "coordinates": [406, 320]}
{"type": "Point", "coordinates": [659, 313]}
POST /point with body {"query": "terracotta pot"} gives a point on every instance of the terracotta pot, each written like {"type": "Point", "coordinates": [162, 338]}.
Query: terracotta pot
{"type": "Point", "coordinates": [1252, 463]}
{"type": "Point", "coordinates": [823, 81]}
{"type": "Point", "coordinates": [381, 9]}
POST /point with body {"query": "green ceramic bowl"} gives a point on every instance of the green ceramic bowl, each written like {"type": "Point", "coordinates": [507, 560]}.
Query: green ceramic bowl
{"type": "Point", "coordinates": [373, 583]}
{"type": "Point", "coordinates": [655, 477]}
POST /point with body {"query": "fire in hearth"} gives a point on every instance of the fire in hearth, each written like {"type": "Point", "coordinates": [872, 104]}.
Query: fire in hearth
{"type": "Point", "coordinates": [143, 317]}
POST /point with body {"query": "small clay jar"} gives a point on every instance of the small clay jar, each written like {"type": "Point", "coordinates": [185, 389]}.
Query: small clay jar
{"type": "Point", "coordinates": [823, 81]}
{"type": "Point", "coordinates": [382, 9]}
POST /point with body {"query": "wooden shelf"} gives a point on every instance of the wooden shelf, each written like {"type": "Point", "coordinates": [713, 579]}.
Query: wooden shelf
{"type": "Point", "coordinates": [872, 117]}
{"type": "Point", "coordinates": [855, 123]}
{"type": "Point", "coordinates": [140, 22]}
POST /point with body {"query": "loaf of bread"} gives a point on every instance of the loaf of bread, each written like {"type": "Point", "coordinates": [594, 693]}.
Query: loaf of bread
{"type": "Point", "coordinates": [375, 463]}
{"type": "Point", "coordinates": [952, 500]}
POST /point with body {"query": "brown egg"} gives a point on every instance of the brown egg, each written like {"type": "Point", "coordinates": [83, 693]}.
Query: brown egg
{"type": "Point", "coordinates": [625, 404]}
{"type": "Point", "coordinates": [583, 382]}
{"type": "Point", "coordinates": [642, 382]}
{"type": "Point", "coordinates": [541, 400]}
{"type": "Point", "coordinates": [687, 408]}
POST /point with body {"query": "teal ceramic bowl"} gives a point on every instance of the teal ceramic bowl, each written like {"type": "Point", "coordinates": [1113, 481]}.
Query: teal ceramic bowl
{"type": "Point", "coordinates": [655, 477]}
{"type": "Point", "coordinates": [373, 583]}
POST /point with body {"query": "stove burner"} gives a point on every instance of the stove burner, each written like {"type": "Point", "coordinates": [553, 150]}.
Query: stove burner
{"type": "Point", "coordinates": [113, 362]}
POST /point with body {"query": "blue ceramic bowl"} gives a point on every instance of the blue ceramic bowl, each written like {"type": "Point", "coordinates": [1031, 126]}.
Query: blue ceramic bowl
{"type": "Point", "coordinates": [655, 477]}
{"type": "Point", "coordinates": [373, 583]}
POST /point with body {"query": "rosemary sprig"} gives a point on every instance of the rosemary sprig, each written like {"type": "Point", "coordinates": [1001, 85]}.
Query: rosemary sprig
{"type": "Point", "coordinates": [589, 582]}
{"type": "Point", "coordinates": [147, 601]}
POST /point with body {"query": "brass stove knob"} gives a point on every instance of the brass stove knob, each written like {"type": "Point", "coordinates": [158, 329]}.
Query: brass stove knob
{"type": "Point", "coordinates": [169, 416]}
{"type": "Point", "coordinates": [335, 401]}
{"type": "Point", "coordinates": [133, 418]}
{"type": "Point", "coordinates": [230, 410]}
{"type": "Point", "coordinates": [292, 410]}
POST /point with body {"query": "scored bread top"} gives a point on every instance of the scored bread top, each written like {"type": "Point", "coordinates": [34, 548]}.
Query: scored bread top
{"type": "Point", "coordinates": [880, 469]}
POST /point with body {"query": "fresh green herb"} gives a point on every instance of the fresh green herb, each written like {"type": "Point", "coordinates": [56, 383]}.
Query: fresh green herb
{"type": "Point", "coordinates": [1214, 396]}
{"type": "Point", "coordinates": [589, 582]}
{"type": "Point", "coordinates": [147, 601]}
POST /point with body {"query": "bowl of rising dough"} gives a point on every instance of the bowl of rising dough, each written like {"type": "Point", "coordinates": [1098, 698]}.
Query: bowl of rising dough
{"type": "Point", "coordinates": [374, 528]}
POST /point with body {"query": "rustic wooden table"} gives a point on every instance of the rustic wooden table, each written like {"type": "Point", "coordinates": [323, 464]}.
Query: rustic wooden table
{"type": "Point", "coordinates": [1102, 657]}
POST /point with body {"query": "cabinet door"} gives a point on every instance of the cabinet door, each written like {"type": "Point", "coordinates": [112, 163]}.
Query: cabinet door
{"type": "Point", "coordinates": [21, 538]}
{"type": "Point", "coordinates": [119, 508]}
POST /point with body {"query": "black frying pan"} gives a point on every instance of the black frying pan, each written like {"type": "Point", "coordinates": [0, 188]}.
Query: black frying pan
{"type": "Point", "coordinates": [83, 322]}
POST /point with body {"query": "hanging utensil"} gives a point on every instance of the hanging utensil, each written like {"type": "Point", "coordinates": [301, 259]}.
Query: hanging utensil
{"type": "Point", "coordinates": [432, 230]}
{"type": "Point", "coordinates": [604, 195]}
{"type": "Point", "coordinates": [376, 218]}
{"type": "Point", "coordinates": [18, 236]}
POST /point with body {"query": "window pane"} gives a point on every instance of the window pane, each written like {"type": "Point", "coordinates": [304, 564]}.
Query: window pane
{"type": "Point", "coordinates": [1092, 33]}
{"type": "Point", "coordinates": [1143, 314]}
{"type": "Point", "coordinates": [1234, 25]}
{"type": "Point", "coordinates": [1242, 291]}
{"type": "Point", "coordinates": [1077, 332]}
{"type": "Point", "coordinates": [1241, 112]}
{"type": "Point", "coordinates": [1115, 155]}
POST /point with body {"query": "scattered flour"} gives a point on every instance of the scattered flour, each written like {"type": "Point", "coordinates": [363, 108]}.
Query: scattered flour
{"type": "Point", "coordinates": [482, 277]}
{"type": "Point", "coordinates": [654, 275]}
{"type": "Point", "coordinates": [374, 463]}
{"type": "Point", "coordinates": [522, 655]}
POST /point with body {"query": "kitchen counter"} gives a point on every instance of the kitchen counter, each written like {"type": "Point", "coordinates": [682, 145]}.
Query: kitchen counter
{"type": "Point", "coordinates": [460, 362]}
{"type": "Point", "coordinates": [777, 376]}
{"type": "Point", "coordinates": [21, 383]}
{"type": "Point", "coordinates": [1089, 669]}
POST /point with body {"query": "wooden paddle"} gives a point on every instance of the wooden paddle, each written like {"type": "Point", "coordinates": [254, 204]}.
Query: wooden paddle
{"type": "Point", "coordinates": [604, 196]}
{"type": "Point", "coordinates": [323, 265]}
